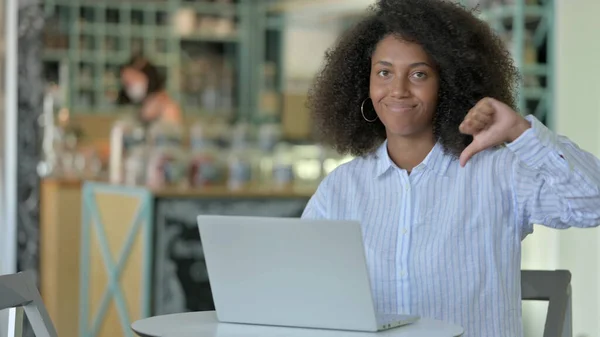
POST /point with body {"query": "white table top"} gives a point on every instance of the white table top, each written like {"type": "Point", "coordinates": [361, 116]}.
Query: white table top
{"type": "Point", "coordinates": [205, 324]}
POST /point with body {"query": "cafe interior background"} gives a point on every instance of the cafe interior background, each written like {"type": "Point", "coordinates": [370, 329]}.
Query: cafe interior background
{"type": "Point", "coordinates": [87, 197]}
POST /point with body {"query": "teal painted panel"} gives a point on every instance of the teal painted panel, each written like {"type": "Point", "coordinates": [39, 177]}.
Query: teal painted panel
{"type": "Point", "coordinates": [91, 221]}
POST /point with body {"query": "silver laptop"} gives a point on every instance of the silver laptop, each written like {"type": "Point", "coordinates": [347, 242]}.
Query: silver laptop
{"type": "Point", "coordinates": [291, 272]}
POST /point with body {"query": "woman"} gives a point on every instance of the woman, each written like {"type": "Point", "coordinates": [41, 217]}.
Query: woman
{"type": "Point", "coordinates": [448, 178]}
{"type": "Point", "coordinates": [143, 85]}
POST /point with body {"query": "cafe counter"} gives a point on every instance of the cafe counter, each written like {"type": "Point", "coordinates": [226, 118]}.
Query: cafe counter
{"type": "Point", "coordinates": [113, 254]}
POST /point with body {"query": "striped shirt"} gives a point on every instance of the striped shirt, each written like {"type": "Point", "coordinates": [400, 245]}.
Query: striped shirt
{"type": "Point", "coordinates": [445, 241]}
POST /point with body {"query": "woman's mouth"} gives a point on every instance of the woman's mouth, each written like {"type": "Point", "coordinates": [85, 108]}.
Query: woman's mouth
{"type": "Point", "coordinates": [400, 107]}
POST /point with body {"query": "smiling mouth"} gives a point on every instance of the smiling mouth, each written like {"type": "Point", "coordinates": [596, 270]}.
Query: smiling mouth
{"type": "Point", "coordinates": [400, 107]}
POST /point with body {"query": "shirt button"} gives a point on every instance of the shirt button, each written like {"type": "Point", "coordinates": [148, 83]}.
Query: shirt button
{"type": "Point", "coordinates": [403, 274]}
{"type": "Point", "coordinates": [407, 187]}
{"type": "Point", "coordinates": [404, 230]}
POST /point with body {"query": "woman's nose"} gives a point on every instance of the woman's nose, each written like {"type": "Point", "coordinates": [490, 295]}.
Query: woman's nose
{"type": "Point", "coordinates": [400, 87]}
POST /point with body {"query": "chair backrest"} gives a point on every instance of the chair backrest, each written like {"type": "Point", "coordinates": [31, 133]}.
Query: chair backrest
{"type": "Point", "coordinates": [553, 286]}
{"type": "Point", "coordinates": [19, 292]}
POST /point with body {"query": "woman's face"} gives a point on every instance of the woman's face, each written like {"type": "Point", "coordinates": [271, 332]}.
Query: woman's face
{"type": "Point", "coordinates": [135, 84]}
{"type": "Point", "coordinates": [403, 87]}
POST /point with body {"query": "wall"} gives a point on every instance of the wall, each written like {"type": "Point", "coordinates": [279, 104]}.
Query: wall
{"type": "Point", "coordinates": [8, 118]}
{"type": "Point", "coordinates": [23, 22]}
{"type": "Point", "coordinates": [4, 247]}
{"type": "Point", "coordinates": [7, 143]}
{"type": "Point", "coordinates": [302, 62]}
{"type": "Point", "coordinates": [7, 121]}
{"type": "Point", "coordinates": [313, 27]}
{"type": "Point", "coordinates": [578, 117]}
{"type": "Point", "coordinates": [306, 39]}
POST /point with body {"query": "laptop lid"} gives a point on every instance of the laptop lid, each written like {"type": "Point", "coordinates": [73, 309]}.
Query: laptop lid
{"type": "Point", "coordinates": [288, 272]}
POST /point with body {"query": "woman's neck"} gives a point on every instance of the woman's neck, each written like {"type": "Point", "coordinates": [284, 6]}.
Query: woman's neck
{"type": "Point", "coordinates": [153, 97]}
{"type": "Point", "coordinates": [151, 108]}
{"type": "Point", "coordinates": [407, 153]}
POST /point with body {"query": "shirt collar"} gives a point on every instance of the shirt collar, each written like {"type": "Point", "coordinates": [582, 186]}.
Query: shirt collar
{"type": "Point", "coordinates": [437, 160]}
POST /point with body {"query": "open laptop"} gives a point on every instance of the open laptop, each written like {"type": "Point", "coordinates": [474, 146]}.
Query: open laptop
{"type": "Point", "coordinates": [291, 272]}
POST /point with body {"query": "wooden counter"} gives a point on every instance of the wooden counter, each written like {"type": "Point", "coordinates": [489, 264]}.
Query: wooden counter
{"type": "Point", "coordinates": [223, 192]}
{"type": "Point", "coordinates": [60, 224]}
{"type": "Point", "coordinates": [113, 254]}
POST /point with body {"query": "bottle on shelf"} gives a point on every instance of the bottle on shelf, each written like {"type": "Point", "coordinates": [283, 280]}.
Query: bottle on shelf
{"type": "Point", "coordinates": [206, 165]}
{"type": "Point", "coordinates": [51, 133]}
{"type": "Point", "coordinates": [167, 161]}
{"type": "Point", "coordinates": [210, 95]}
{"type": "Point", "coordinates": [241, 163]}
{"type": "Point", "coordinates": [126, 133]}
{"type": "Point", "coordinates": [283, 167]}
{"type": "Point", "coordinates": [269, 135]}
{"type": "Point", "coordinates": [135, 166]}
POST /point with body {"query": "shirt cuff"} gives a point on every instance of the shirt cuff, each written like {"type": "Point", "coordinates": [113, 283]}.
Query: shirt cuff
{"type": "Point", "coordinates": [536, 145]}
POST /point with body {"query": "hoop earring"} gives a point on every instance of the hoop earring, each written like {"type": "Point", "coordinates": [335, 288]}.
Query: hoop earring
{"type": "Point", "coordinates": [362, 112]}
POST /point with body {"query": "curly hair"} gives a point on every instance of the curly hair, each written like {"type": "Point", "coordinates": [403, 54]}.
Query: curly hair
{"type": "Point", "coordinates": [472, 62]}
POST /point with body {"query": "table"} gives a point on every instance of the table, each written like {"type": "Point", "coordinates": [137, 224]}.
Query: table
{"type": "Point", "coordinates": [205, 324]}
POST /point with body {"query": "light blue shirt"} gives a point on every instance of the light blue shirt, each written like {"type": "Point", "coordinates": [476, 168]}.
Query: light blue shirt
{"type": "Point", "coordinates": [445, 242]}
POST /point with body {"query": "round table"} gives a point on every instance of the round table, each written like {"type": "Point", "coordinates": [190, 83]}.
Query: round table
{"type": "Point", "coordinates": [205, 324]}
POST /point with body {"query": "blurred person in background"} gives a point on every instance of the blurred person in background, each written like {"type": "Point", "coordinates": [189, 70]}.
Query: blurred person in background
{"type": "Point", "coordinates": [448, 178]}
{"type": "Point", "coordinates": [143, 86]}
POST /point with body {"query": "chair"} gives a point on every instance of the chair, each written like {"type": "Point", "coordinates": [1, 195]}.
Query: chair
{"type": "Point", "coordinates": [19, 293]}
{"type": "Point", "coordinates": [554, 287]}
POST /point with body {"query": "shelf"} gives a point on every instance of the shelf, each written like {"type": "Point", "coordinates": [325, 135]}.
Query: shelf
{"type": "Point", "coordinates": [220, 9]}
{"type": "Point", "coordinates": [534, 93]}
{"type": "Point", "coordinates": [535, 69]}
{"type": "Point", "coordinates": [529, 27]}
{"type": "Point", "coordinates": [55, 55]}
{"type": "Point", "coordinates": [275, 23]}
{"type": "Point", "coordinates": [502, 12]}
{"type": "Point", "coordinates": [122, 30]}
{"type": "Point", "coordinates": [102, 35]}
{"type": "Point", "coordinates": [196, 111]}
{"type": "Point", "coordinates": [210, 38]}
{"type": "Point", "coordinates": [203, 8]}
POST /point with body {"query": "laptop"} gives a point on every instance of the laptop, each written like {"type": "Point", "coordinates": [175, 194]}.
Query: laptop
{"type": "Point", "coordinates": [291, 272]}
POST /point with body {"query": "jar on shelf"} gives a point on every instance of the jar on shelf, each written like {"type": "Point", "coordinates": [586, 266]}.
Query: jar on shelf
{"type": "Point", "coordinates": [206, 164]}
{"type": "Point", "coordinates": [167, 167]}
{"type": "Point", "coordinates": [163, 134]}
{"type": "Point", "coordinates": [241, 135]}
{"type": "Point", "coordinates": [269, 135]}
{"type": "Point", "coordinates": [206, 168]}
{"type": "Point", "coordinates": [240, 169]}
{"type": "Point", "coordinates": [283, 167]}
{"type": "Point", "coordinates": [242, 158]}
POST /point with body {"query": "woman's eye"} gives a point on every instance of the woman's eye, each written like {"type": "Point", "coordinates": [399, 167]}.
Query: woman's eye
{"type": "Point", "coordinates": [383, 73]}
{"type": "Point", "coordinates": [419, 75]}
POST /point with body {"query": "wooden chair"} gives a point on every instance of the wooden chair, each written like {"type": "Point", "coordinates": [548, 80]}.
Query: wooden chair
{"type": "Point", "coordinates": [553, 286]}
{"type": "Point", "coordinates": [19, 293]}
